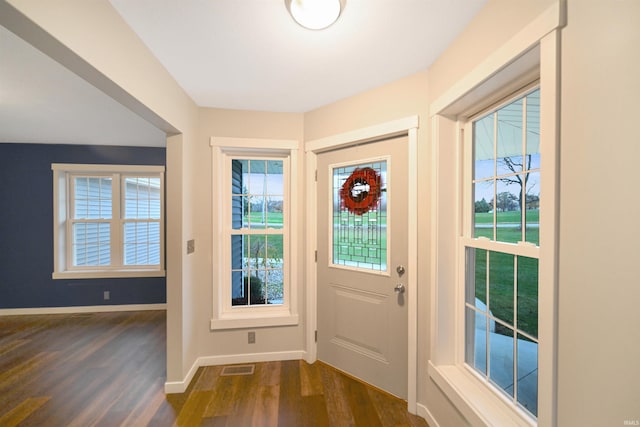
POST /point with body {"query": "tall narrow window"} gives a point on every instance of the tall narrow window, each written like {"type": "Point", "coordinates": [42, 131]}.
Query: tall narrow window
{"type": "Point", "coordinates": [254, 198]}
{"type": "Point", "coordinates": [257, 232]}
{"type": "Point", "coordinates": [501, 243]}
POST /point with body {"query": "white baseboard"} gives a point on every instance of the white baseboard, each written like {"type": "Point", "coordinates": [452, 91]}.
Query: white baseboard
{"type": "Point", "coordinates": [181, 386]}
{"type": "Point", "coordinates": [81, 309]}
{"type": "Point", "coordinates": [425, 413]}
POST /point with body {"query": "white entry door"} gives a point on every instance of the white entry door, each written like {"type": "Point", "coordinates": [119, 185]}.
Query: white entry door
{"type": "Point", "coordinates": [362, 254]}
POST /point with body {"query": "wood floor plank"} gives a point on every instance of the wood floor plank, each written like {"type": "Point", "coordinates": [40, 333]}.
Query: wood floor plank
{"type": "Point", "coordinates": [362, 408]}
{"type": "Point", "coordinates": [310, 379]}
{"type": "Point", "coordinates": [289, 394]}
{"type": "Point", "coordinates": [265, 411]}
{"type": "Point", "coordinates": [144, 411]}
{"type": "Point", "coordinates": [21, 412]}
{"type": "Point", "coordinates": [338, 408]}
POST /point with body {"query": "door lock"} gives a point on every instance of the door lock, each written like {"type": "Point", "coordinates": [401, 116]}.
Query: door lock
{"type": "Point", "coordinates": [400, 270]}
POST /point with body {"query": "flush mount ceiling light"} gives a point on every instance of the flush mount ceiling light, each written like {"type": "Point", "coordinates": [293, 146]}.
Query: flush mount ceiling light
{"type": "Point", "coordinates": [315, 14]}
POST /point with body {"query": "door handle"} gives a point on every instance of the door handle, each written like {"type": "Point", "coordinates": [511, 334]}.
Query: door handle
{"type": "Point", "coordinates": [399, 289]}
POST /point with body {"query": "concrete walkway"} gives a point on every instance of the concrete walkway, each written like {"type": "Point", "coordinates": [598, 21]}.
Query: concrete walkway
{"type": "Point", "coordinates": [501, 362]}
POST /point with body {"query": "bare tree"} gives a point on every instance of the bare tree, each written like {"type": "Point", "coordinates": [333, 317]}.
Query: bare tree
{"type": "Point", "coordinates": [520, 179]}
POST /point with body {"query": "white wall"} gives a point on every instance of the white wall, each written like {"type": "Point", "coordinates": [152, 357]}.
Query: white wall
{"type": "Point", "coordinates": [220, 344]}
{"type": "Point", "coordinates": [599, 345]}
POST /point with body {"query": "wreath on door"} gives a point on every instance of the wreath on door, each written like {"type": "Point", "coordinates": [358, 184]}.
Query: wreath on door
{"type": "Point", "coordinates": [360, 193]}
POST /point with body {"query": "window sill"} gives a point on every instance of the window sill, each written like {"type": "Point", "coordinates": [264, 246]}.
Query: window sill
{"type": "Point", "coordinates": [479, 405]}
{"type": "Point", "coordinates": [254, 320]}
{"type": "Point", "coordinates": [106, 274]}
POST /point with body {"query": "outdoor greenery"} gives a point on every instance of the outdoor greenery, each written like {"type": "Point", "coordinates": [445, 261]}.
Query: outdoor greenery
{"type": "Point", "coordinates": [501, 273]}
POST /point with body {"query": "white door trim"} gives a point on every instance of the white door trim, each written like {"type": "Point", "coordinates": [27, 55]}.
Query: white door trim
{"type": "Point", "coordinates": [405, 126]}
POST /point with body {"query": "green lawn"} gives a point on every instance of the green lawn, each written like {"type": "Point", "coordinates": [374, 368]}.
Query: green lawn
{"type": "Point", "coordinates": [533, 216]}
{"type": "Point", "coordinates": [502, 269]}
{"type": "Point", "coordinates": [501, 289]}
{"type": "Point", "coordinates": [257, 218]}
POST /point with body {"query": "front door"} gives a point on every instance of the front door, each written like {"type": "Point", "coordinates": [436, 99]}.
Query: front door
{"type": "Point", "coordinates": [362, 248]}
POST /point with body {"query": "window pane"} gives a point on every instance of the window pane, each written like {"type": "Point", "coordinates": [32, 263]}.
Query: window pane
{"type": "Point", "coordinates": [501, 360]}
{"type": "Point", "coordinates": [257, 176]}
{"type": "Point", "coordinates": [509, 139]}
{"type": "Point", "coordinates": [240, 176]}
{"type": "Point", "coordinates": [476, 291]}
{"type": "Point", "coordinates": [508, 212]}
{"type": "Point", "coordinates": [274, 212]}
{"type": "Point", "coordinates": [528, 374]}
{"type": "Point", "coordinates": [275, 288]}
{"type": "Point", "coordinates": [501, 286]}
{"type": "Point", "coordinates": [528, 295]}
{"type": "Point", "coordinates": [141, 243]}
{"type": "Point", "coordinates": [92, 198]}
{"type": "Point", "coordinates": [532, 231]}
{"type": "Point", "coordinates": [533, 130]}
{"type": "Point", "coordinates": [476, 340]}
{"type": "Point", "coordinates": [239, 289]}
{"type": "Point", "coordinates": [483, 154]}
{"type": "Point", "coordinates": [483, 209]}
{"type": "Point", "coordinates": [239, 212]}
{"type": "Point", "coordinates": [257, 213]}
{"type": "Point", "coordinates": [142, 198]}
{"type": "Point", "coordinates": [359, 232]}
{"type": "Point", "coordinates": [275, 181]}
{"type": "Point", "coordinates": [274, 250]}
{"type": "Point", "coordinates": [91, 244]}
{"type": "Point", "coordinates": [257, 288]}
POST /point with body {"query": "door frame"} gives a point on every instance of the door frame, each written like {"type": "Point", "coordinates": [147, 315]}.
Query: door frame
{"type": "Point", "coordinates": [407, 126]}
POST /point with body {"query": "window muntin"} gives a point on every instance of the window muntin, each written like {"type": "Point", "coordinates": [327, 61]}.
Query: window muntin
{"type": "Point", "coordinates": [108, 220]}
{"type": "Point", "coordinates": [258, 228]}
{"type": "Point", "coordinates": [501, 247]}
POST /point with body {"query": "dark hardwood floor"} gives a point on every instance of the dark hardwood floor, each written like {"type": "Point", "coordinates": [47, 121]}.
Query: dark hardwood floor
{"type": "Point", "coordinates": [108, 369]}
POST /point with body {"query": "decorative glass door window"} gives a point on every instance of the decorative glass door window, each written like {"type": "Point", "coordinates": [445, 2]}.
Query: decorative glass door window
{"type": "Point", "coordinates": [359, 215]}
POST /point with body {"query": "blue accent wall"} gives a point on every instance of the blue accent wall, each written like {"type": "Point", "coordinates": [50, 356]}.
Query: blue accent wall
{"type": "Point", "coordinates": [26, 229]}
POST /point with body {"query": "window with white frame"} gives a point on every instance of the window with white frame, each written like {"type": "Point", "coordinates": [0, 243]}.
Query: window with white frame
{"type": "Point", "coordinates": [257, 231]}
{"type": "Point", "coordinates": [501, 246]}
{"type": "Point", "coordinates": [253, 214]}
{"type": "Point", "coordinates": [108, 221]}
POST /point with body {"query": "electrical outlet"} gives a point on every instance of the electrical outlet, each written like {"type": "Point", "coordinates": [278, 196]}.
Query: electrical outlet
{"type": "Point", "coordinates": [191, 246]}
{"type": "Point", "coordinates": [106, 295]}
{"type": "Point", "coordinates": [252, 337]}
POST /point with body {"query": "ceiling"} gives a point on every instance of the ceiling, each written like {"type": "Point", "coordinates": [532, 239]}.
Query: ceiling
{"type": "Point", "coordinates": [235, 54]}
{"type": "Point", "coordinates": [43, 102]}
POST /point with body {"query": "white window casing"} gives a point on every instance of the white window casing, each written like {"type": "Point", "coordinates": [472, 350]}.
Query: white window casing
{"type": "Point", "coordinates": [226, 315]}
